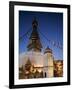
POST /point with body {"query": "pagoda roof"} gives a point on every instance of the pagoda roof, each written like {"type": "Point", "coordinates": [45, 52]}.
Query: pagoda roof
{"type": "Point", "coordinates": [48, 50]}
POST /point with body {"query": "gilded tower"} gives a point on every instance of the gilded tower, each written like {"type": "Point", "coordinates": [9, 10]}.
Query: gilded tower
{"type": "Point", "coordinates": [48, 63]}
{"type": "Point", "coordinates": [34, 40]}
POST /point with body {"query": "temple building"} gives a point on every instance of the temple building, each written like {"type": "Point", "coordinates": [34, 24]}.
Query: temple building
{"type": "Point", "coordinates": [34, 63]}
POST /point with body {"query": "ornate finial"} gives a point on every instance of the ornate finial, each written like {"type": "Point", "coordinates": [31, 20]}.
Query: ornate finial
{"type": "Point", "coordinates": [35, 23]}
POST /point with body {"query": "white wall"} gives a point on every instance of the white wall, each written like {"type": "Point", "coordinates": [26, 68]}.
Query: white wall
{"type": "Point", "coordinates": [4, 44]}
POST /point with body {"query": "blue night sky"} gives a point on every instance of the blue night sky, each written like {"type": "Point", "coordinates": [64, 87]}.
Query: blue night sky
{"type": "Point", "coordinates": [49, 23]}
